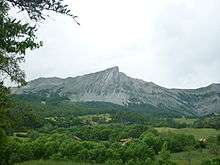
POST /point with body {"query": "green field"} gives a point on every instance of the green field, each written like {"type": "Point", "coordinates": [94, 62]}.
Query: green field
{"type": "Point", "coordinates": [50, 162]}
{"type": "Point", "coordinates": [93, 119]}
{"type": "Point", "coordinates": [185, 120]}
{"type": "Point", "coordinates": [197, 132]}
{"type": "Point", "coordinates": [192, 157]}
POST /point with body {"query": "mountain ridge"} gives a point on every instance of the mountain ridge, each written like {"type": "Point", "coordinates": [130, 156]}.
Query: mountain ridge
{"type": "Point", "coordinates": [113, 86]}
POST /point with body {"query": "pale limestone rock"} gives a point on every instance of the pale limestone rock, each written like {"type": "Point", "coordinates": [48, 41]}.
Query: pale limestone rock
{"type": "Point", "coordinates": [113, 86]}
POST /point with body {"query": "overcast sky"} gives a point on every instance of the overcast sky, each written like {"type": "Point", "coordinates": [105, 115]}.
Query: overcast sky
{"type": "Point", "coordinates": [174, 43]}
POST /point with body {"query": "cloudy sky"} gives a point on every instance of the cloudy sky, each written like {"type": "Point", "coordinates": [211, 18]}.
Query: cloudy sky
{"type": "Point", "coordinates": [174, 43]}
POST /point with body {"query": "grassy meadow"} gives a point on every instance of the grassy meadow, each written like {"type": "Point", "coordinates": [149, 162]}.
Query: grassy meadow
{"type": "Point", "coordinates": [192, 157]}
{"type": "Point", "coordinates": [196, 132]}
{"type": "Point", "coordinates": [50, 162]}
{"type": "Point", "coordinates": [185, 120]}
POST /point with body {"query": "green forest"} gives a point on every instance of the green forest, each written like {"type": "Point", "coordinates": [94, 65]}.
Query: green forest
{"type": "Point", "coordinates": [97, 133]}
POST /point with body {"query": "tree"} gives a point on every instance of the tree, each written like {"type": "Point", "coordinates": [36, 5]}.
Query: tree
{"type": "Point", "coordinates": [164, 155]}
{"type": "Point", "coordinates": [16, 38]}
{"type": "Point", "coordinates": [4, 102]}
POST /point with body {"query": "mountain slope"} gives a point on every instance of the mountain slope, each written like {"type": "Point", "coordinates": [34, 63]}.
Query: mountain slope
{"type": "Point", "coordinates": [113, 86]}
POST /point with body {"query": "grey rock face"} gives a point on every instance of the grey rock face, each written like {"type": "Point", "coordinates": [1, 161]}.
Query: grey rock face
{"type": "Point", "coordinates": [113, 86]}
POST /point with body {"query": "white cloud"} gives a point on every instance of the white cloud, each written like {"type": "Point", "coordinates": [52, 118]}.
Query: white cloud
{"type": "Point", "coordinates": [172, 43]}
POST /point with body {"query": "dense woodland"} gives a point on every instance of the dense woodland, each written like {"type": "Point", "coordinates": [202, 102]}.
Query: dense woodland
{"type": "Point", "coordinates": [99, 133]}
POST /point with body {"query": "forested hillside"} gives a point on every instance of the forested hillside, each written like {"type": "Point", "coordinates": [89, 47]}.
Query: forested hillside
{"type": "Point", "coordinates": [104, 133]}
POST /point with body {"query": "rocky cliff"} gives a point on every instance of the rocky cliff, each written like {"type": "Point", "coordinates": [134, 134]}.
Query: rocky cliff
{"type": "Point", "coordinates": [113, 86]}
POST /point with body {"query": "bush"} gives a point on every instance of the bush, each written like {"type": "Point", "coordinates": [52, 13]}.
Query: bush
{"type": "Point", "coordinates": [218, 139]}
{"type": "Point", "coordinates": [138, 151]}
{"type": "Point", "coordinates": [178, 142]}
{"type": "Point", "coordinates": [57, 156]}
{"type": "Point", "coordinates": [114, 162]}
{"type": "Point", "coordinates": [152, 141]}
{"type": "Point", "coordinates": [211, 162]}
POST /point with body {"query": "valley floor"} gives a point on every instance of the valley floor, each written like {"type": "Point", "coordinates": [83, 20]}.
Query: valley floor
{"type": "Point", "coordinates": [50, 162]}
{"type": "Point", "coordinates": [196, 132]}
{"type": "Point", "coordinates": [192, 157]}
{"type": "Point", "coordinates": [182, 158]}
{"type": "Point", "coordinates": [64, 133]}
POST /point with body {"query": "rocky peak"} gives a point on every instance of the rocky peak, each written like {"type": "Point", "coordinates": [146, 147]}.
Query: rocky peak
{"type": "Point", "coordinates": [111, 74]}
{"type": "Point", "coordinates": [215, 88]}
{"type": "Point", "coordinates": [113, 69]}
{"type": "Point", "coordinates": [113, 86]}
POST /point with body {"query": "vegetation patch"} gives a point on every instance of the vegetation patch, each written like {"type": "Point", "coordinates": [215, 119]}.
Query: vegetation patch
{"type": "Point", "coordinates": [51, 162]}
{"type": "Point", "coordinates": [197, 132]}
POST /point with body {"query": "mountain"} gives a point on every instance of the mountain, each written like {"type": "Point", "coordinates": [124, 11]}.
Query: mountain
{"type": "Point", "coordinates": [115, 87]}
